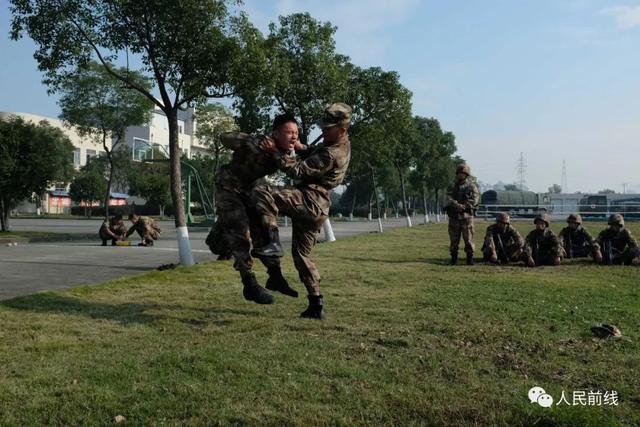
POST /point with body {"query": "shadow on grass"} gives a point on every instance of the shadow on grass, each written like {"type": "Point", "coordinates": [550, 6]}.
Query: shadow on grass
{"type": "Point", "coordinates": [127, 313]}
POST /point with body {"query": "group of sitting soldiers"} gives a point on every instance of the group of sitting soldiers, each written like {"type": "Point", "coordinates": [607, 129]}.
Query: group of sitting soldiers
{"type": "Point", "coordinates": [114, 229]}
{"type": "Point", "coordinates": [614, 245]}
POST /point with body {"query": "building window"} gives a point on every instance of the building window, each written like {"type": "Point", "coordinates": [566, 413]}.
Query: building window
{"type": "Point", "coordinates": [180, 129]}
{"type": "Point", "coordinates": [90, 154]}
{"type": "Point", "coordinates": [76, 157]}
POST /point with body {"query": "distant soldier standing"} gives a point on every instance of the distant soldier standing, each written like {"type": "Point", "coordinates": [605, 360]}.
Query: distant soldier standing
{"type": "Point", "coordinates": [463, 200]}
{"type": "Point", "coordinates": [112, 229]}
{"type": "Point", "coordinates": [502, 243]}
{"type": "Point", "coordinates": [147, 229]}
{"type": "Point", "coordinates": [577, 242]}
{"type": "Point", "coordinates": [238, 226]}
{"type": "Point", "coordinates": [542, 245]}
{"type": "Point", "coordinates": [616, 243]}
{"type": "Point", "coordinates": [308, 202]}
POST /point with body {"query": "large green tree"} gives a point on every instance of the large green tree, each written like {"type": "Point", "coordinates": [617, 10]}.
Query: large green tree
{"type": "Point", "coordinates": [101, 108]}
{"type": "Point", "coordinates": [32, 157]}
{"type": "Point", "coordinates": [188, 48]}
{"type": "Point", "coordinates": [87, 187]}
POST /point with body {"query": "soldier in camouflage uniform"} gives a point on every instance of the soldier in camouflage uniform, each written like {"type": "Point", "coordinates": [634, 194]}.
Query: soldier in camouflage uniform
{"type": "Point", "coordinates": [616, 243]}
{"type": "Point", "coordinates": [542, 245]}
{"type": "Point", "coordinates": [502, 243]}
{"type": "Point", "coordinates": [576, 241]}
{"type": "Point", "coordinates": [463, 199]}
{"type": "Point", "coordinates": [147, 229]}
{"type": "Point", "coordinates": [307, 203]}
{"type": "Point", "coordinates": [112, 229]}
{"type": "Point", "coordinates": [238, 225]}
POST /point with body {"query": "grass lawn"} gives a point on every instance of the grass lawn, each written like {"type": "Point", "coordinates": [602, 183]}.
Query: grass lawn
{"type": "Point", "coordinates": [408, 341]}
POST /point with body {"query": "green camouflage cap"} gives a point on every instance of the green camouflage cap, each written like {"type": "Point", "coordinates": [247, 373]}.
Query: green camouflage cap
{"type": "Point", "coordinates": [464, 169]}
{"type": "Point", "coordinates": [616, 219]}
{"type": "Point", "coordinates": [337, 114]}
{"type": "Point", "coordinates": [544, 218]}
{"type": "Point", "coordinates": [577, 218]}
{"type": "Point", "coordinates": [503, 217]}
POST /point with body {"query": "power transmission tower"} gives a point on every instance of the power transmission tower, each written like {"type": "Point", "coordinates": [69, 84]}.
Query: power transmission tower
{"type": "Point", "coordinates": [624, 188]}
{"type": "Point", "coordinates": [563, 182]}
{"type": "Point", "coordinates": [521, 170]}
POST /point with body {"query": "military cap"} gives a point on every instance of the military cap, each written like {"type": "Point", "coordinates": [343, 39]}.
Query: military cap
{"type": "Point", "coordinates": [464, 169]}
{"type": "Point", "coordinates": [336, 114]}
{"type": "Point", "coordinates": [542, 217]}
{"type": "Point", "coordinates": [577, 218]}
{"type": "Point", "coordinates": [503, 217]}
{"type": "Point", "coordinates": [616, 219]}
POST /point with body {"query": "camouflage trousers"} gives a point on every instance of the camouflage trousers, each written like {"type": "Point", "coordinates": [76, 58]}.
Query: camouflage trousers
{"type": "Point", "coordinates": [119, 231]}
{"type": "Point", "coordinates": [578, 251]}
{"type": "Point", "coordinates": [512, 252]}
{"type": "Point", "coordinates": [619, 258]}
{"type": "Point", "coordinates": [307, 217]}
{"type": "Point", "coordinates": [237, 228]}
{"type": "Point", "coordinates": [148, 234]}
{"type": "Point", "coordinates": [461, 228]}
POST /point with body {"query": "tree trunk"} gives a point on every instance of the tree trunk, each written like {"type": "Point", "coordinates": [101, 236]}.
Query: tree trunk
{"type": "Point", "coordinates": [404, 196]}
{"type": "Point", "coordinates": [4, 215]}
{"type": "Point", "coordinates": [184, 245]}
{"type": "Point", "coordinates": [424, 203]}
{"type": "Point", "coordinates": [110, 160]}
{"type": "Point", "coordinates": [375, 191]}
{"type": "Point", "coordinates": [216, 165]}
{"type": "Point", "coordinates": [353, 202]}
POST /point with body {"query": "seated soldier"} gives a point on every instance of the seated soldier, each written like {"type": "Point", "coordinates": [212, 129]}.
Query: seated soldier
{"type": "Point", "coordinates": [542, 246]}
{"type": "Point", "coordinates": [617, 245]}
{"type": "Point", "coordinates": [502, 243]}
{"type": "Point", "coordinates": [576, 241]}
{"type": "Point", "coordinates": [112, 229]}
{"type": "Point", "coordinates": [146, 228]}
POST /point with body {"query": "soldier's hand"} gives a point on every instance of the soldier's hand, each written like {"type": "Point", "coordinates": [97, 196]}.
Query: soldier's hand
{"type": "Point", "coordinates": [531, 262]}
{"type": "Point", "coordinates": [299, 146]}
{"type": "Point", "coordinates": [493, 258]}
{"type": "Point", "coordinates": [268, 144]}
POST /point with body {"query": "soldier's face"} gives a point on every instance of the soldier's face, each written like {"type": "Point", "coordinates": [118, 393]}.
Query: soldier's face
{"type": "Point", "coordinates": [616, 227]}
{"type": "Point", "coordinates": [286, 135]}
{"type": "Point", "coordinates": [461, 176]}
{"type": "Point", "coordinates": [502, 226]}
{"type": "Point", "coordinates": [333, 133]}
{"type": "Point", "coordinates": [573, 225]}
{"type": "Point", "coordinates": [540, 225]}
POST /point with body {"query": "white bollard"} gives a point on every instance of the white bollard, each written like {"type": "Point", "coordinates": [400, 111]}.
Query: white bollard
{"type": "Point", "coordinates": [384, 216]}
{"type": "Point", "coordinates": [426, 219]}
{"type": "Point", "coordinates": [328, 231]}
{"type": "Point", "coordinates": [437, 217]}
{"type": "Point", "coordinates": [409, 221]}
{"type": "Point", "coordinates": [350, 217]}
{"type": "Point", "coordinates": [184, 247]}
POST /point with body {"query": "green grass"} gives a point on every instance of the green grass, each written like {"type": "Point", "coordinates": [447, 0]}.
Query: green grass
{"type": "Point", "coordinates": [408, 341]}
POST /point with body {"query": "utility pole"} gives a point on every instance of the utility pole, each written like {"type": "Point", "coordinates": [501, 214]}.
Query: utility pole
{"type": "Point", "coordinates": [563, 182]}
{"type": "Point", "coordinates": [521, 171]}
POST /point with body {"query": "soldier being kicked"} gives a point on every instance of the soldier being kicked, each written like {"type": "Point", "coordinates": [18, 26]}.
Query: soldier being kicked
{"type": "Point", "coordinates": [617, 244]}
{"type": "Point", "coordinates": [577, 242]}
{"type": "Point", "coordinates": [112, 229]}
{"type": "Point", "coordinates": [308, 202]}
{"type": "Point", "coordinates": [147, 229]}
{"type": "Point", "coordinates": [463, 199]}
{"type": "Point", "coordinates": [238, 225]}
{"type": "Point", "coordinates": [542, 245]}
{"type": "Point", "coordinates": [502, 243]}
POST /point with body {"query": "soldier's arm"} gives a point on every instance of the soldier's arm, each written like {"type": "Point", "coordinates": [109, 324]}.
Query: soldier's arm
{"type": "Point", "coordinates": [555, 243]}
{"type": "Point", "coordinates": [561, 238]}
{"type": "Point", "coordinates": [474, 199]}
{"type": "Point", "coordinates": [589, 238]}
{"type": "Point", "coordinates": [235, 141]}
{"type": "Point", "coordinates": [630, 240]}
{"type": "Point", "coordinates": [315, 165]}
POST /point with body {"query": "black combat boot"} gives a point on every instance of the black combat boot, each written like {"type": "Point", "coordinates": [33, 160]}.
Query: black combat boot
{"type": "Point", "coordinates": [315, 309]}
{"type": "Point", "coordinates": [272, 246]}
{"type": "Point", "coordinates": [252, 291]}
{"type": "Point", "coordinates": [277, 282]}
{"type": "Point", "coordinates": [454, 258]}
{"type": "Point", "coordinates": [470, 258]}
{"type": "Point", "coordinates": [104, 242]}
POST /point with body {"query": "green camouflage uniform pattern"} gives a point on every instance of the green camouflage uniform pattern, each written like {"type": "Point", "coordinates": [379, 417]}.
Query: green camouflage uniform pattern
{"type": "Point", "coordinates": [543, 246]}
{"type": "Point", "coordinates": [463, 193]}
{"type": "Point", "coordinates": [307, 202]}
{"type": "Point", "coordinates": [512, 244]}
{"type": "Point", "coordinates": [147, 229]}
{"type": "Point", "coordinates": [617, 247]}
{"type": "Point", "coordinates": [238, 224]}
{"type": "Point", "coordinates": [577, 243]}
{"type": "Point", "coordinates": [116, 227]}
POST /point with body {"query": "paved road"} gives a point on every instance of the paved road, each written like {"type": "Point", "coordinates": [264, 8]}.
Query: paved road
{"type": "Point", "coordinates": [29, 268]}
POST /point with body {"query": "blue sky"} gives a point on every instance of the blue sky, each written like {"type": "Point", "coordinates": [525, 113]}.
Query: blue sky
{"type": "Point", "coordinates": [551, 79]}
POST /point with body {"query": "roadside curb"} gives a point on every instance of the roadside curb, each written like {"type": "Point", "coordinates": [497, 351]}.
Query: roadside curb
{"type": "Point", "coordinates": [57, 238]}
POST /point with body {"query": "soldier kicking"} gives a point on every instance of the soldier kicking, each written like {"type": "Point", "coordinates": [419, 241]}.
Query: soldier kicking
{"type": "Point", "coordinates": [307, 203]}
{"type": "Point", "coordinates": [238, 224]}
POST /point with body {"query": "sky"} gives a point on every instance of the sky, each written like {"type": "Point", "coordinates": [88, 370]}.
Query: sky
{"type": "Point", "coordinates": [552, 79]}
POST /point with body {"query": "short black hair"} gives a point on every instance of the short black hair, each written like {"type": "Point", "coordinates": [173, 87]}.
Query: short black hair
{"type": "Point", "coordinates": [282, 119]}
{"type": "Point", "coordinates": [132, 215]}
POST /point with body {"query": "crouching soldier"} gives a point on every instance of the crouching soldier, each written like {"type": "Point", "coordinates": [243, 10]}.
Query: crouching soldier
{"type": "Point", "coordinates": [112, 229]}
{"type": "Point", "coordinates": [577, 242]}
{"type": "Point", "coordinates": [502, 243]}
{"type": "Point", "coordinates": [146, 227]}
{"type": "Point", "coordinates": [542, 245]}
{"type": "Point", "coordinates": [617, 244]}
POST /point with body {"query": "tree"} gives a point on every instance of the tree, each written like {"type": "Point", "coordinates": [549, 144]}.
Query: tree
{"type": "Point", "coordinates": [151, 181]}
{"type": "Point", "coordinates": [100, 107]}
{"type": "Point", "coordinates": [555, 189]}
{"type": "Point", "coordinates": [87, 187]}
{"type": "Point", "coordinates": [511, 187]}
{"type": "Point", "coordinates": [32, 157]}
{"type": "Point", "coordinates": [189, 48]}
{"type": "Point", "coordinates": [606, 191]}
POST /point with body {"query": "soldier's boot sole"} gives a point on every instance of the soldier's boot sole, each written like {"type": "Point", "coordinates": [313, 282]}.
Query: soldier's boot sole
{"type": "Point", "coordinates": [258, 295]}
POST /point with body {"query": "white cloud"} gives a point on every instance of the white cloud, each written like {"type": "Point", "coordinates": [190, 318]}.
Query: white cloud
{"type": "Point", "coordinates": [626, 16]}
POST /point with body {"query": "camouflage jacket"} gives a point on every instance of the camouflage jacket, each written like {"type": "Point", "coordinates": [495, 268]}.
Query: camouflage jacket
{"type": "Point", "coordinates": [619, 241]}
{"type": "Point", "coordinates": [249, 163]}
{"type": "Point", "coordinates": [542, 243]}
{"type": "Point", "coordinates": [144, 225]}
{"type": "Point", "coordinates": [320, 171]}
{"type": "Point", "coordinates": [509, 237]}
{"type": "Point", "coordinates": [463, 194]}
{"type": "Point", "coordinates": [577, 237]}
